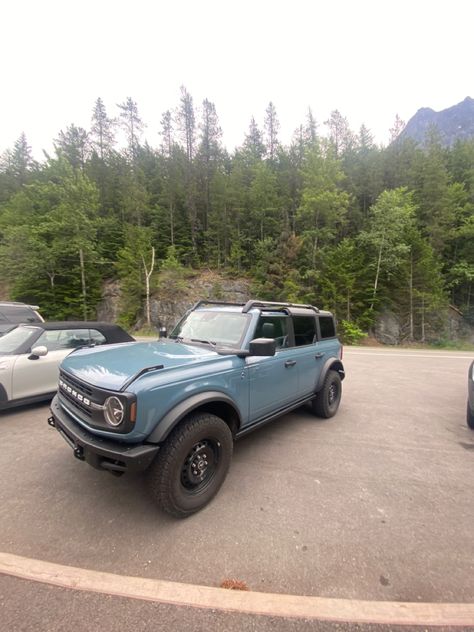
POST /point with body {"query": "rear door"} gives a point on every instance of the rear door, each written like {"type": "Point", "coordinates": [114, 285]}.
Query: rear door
{"type": "Point", "coordinates": [328, 343]}
{"type": "Point", "coordinates": [307, 353]}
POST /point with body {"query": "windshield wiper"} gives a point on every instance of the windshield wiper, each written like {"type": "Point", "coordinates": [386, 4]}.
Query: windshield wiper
{"type": "Point", "coordinates": [204, 342]}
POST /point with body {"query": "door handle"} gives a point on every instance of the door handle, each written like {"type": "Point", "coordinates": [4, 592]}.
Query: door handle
{"type": "Point", "coordinates": [290, 363]}
{"type": "Point", "coordinates": [318, 355]}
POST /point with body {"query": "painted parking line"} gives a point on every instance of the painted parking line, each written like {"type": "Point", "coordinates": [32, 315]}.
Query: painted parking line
{"type": "Point", "coordinates": [401, 354]}
{"type": "Point", "coordinates": [266, 604]}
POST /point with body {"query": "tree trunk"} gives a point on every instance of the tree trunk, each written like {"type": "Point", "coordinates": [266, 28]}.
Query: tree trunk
{"type": "Point", "coordinates": [422, 319]}
{"type": "Point", "coordinates": [313, 254]}
{"type": "Point", "coordinates": [148, 273]}
{"type": "Point", "coordinates": [171, 222]}
{"type": "Point", "coordinates": [83, 281]}
{"type": "Point", "coordinates": [379, 263]}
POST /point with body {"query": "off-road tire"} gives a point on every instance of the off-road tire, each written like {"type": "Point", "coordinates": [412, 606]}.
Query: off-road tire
{"type": "Point", "coordinates": [326, 402]}
{"type": "Point", "coordinates": [200, 447]}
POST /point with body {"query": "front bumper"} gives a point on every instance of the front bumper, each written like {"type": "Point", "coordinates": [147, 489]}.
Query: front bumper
{"type": "Point", "coordinates": [100, 453]}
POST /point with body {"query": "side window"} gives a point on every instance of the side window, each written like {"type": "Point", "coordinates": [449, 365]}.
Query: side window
{"type": "Point", "coordinates": [273, 327]}
{"type": "Point", "coordinates": [73, 338]}
{"type": "Point", "coordinates": [305, 330]}
{"type": "Point", "coordinates": [326, 324]}
{"type": "Point", "coordinates": [63, 339]}
{"type": "Point", "coordinates": [96, 337]}
{"type": "Point", "coordinates": [50, 340]}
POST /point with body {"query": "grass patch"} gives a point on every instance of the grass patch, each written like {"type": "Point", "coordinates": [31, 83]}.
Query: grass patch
{"type": "Point", "coordinates": [452, 345]}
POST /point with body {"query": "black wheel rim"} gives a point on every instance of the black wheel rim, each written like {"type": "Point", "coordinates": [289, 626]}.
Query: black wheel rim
{"type": "Point", "coordinates": [200, 465]}
{"type": "Point", "coordinates": [333, 393]}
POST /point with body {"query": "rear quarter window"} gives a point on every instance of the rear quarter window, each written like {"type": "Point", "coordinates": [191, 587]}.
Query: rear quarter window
{"type": "Point", "coordinates": [96, 337]}
{"type": "Point", "coordinates": [305, 330]}
{"type": "Point", "coordinates": [326, 325]}
{"type": "Point", "coordinates": [18, 315]}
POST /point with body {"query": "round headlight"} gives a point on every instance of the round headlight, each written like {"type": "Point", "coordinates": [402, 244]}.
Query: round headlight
{"type": "Point", "coordinates": [114, 411]}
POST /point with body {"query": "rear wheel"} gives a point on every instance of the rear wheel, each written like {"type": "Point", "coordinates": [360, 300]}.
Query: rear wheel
{"type": "Point", "coordinates": [326, 402]}
{"type": "Point", "coordinates": [192, 464]}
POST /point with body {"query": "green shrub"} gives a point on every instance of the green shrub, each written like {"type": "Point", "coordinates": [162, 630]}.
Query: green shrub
{"type": "Point", "coordinates": [350, 333]}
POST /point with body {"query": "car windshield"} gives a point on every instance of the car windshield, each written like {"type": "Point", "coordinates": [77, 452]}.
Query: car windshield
{"type": "Point", "coordinates": [212, 327]}
{"type": "Point", "coordinates": [13, 340]}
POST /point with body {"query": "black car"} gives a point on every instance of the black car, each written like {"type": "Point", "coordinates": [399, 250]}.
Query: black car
{"type": "Point", "coordinates": [470, 397]}
{"type": "Point", "coordinates": [30, 356]}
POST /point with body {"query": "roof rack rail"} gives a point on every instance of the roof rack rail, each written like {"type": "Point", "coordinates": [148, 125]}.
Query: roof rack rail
{"type": "Point", "coordinates": [211, 302]}
{"type": "Point", "coordinates": [268, 305]}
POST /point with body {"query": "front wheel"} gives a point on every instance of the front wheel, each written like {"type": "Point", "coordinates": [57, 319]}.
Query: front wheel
{"type": "Point", "coordinates": [470, 417]}
{"type": "Point", "coordinates": [327, 401]}
{"type": "Point", "coordinates": [192, 464]}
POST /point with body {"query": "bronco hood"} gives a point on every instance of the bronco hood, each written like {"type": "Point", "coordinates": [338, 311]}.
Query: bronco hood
{"type": "Point", "coordinates": [112, 366]}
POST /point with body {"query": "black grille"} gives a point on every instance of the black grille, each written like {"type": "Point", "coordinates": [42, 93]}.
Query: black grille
{"type": "Point", "coordinates": [76, 384]}
{"type": "Point", "coordinates": [72, 400]}
{"type": "Point", "coordinates": [90, 415]}
{"type": "Point", "coordinates": [92, 394]}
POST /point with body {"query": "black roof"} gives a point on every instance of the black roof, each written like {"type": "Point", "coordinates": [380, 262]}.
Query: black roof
{"type": "Point", "coordinates": [113, 333]}
{"type": "Point", "coordinates": [78, 324]}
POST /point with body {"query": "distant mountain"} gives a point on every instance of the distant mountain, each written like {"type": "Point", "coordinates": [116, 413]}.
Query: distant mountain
{"type": "Point", "coordinates": [456, 122]}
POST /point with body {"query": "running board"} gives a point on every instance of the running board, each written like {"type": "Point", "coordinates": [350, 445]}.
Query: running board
{"type": "Point", "coordinates": [261, 422]}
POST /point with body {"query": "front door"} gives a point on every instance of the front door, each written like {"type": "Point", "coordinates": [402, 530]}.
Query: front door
{"type": "Point", "coordinates": [36, 377]}
{"type": "Point", "coordinates": [273, 383]}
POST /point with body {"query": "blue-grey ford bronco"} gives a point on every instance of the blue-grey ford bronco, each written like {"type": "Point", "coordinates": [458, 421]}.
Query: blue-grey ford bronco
{"type": "Point", "coordinates": [174, 406]}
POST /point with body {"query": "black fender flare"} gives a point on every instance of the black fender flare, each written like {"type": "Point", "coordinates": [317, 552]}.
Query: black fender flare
{"type": "Point", "coordinates": [331, 364]}
{"type": "Point", "coordinates": [3, 395]}
{"type": "Point", "coordinates": [176, 414]}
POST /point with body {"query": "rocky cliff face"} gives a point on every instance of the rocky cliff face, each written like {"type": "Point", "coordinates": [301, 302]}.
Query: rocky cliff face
{"type": "Point", "coordinates": [174, 299]}
{"type": "Point", "coordinates": [454, 123]}
{"type": "Point", "coordinates": [390, 329]}
{"type": "Point", "coordinates": [176, 294]}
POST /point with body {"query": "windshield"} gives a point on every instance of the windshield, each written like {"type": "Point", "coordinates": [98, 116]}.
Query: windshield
{"type": "Point", "coordinates": [215, 328]}
{"type": "Point", "coordinates": [13, 340]}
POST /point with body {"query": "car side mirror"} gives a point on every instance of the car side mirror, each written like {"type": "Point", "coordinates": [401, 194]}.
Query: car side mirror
{"type": "Point", "coordinates": [262, 347]}
{"type": "Point", "coordinates": [38, 352]}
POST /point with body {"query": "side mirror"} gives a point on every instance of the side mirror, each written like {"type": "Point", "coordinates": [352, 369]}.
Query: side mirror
{"type": "Point", "coordinates": [262, 347]}
{"type": "Point", "coordinates": [38, 352]}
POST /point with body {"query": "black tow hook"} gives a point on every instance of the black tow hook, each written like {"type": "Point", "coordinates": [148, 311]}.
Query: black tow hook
{"type": "Point", "coordinates": [79, 453]}
{"type": "Point", "coordinates": [51, 422]}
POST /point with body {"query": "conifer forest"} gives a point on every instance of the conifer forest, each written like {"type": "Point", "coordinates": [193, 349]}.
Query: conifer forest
{"type": "Point", "coordinates": [330, 219]}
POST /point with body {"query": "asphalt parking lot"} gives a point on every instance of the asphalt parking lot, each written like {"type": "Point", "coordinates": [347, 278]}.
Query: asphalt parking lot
{"type": "Point", "coordinates": [375, 504]}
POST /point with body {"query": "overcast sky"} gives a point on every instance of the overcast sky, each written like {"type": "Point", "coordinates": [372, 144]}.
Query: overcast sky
{"type": "Point", "coordinates": [368, 59]}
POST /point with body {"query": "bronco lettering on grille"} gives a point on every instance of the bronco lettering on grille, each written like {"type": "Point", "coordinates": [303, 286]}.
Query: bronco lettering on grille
{"type": "Point", "coordinates": [80, 398]}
